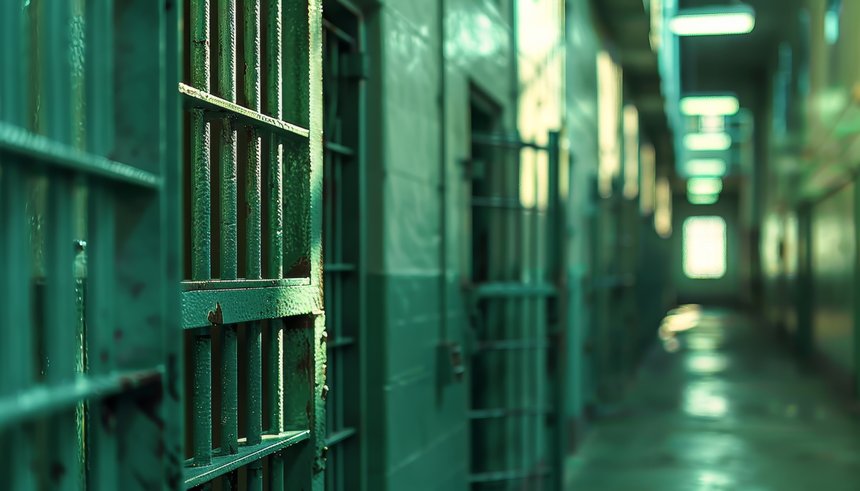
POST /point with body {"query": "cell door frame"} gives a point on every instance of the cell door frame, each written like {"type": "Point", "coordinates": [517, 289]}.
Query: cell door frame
{"type": "Point", "coordinates": [523, 297]}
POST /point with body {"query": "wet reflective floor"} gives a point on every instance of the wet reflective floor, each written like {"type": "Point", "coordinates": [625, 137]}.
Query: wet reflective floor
{"type": "Point", "coordinates": [722, 407]}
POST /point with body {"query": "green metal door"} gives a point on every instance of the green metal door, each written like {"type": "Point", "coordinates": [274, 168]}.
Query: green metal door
{"type": "Point", "coordinates": [252, 296]}
{"type": "Point", "coordinates": [344, 239]}
{"type": "Point", "coordinates": [515, 375]}
{"type": "Point", "coordinates": [89, 132]}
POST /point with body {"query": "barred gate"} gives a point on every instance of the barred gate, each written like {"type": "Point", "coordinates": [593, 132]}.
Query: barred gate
{"type": "Point", "coordinates": [89, 130]}
{"type": "Point", "coordinates": [97, 327]}
{"type": "Point", "coordinates": [516, 374]}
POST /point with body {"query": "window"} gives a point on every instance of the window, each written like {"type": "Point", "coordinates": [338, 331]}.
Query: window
{"type": "Point", "coordinates": [704, 247]}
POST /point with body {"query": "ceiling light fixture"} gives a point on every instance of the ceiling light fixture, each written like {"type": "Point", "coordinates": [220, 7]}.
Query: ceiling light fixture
{"type": "Point", "coordinates": [714, 21]}
{"type": "Point", "coordinates": [704, 142]}
{"type": "Point", "coordinates": [704, 186]}
{"type": "Point", "coordinates": [710, 105]}
{"type": "Point", "coordinates": [706, 167]}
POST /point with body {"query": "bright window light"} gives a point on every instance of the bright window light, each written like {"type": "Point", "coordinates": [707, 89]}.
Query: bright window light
{"type": "Point", "coordinates": [714, 21]}
{"type": "Point", "coordinates": [631, 152]}
{"type": "Point", "coordinates": [704, 186]}
{"type": "Point", "coordinates": [706, 167]}
{"type": "Point", "coordinates": [712, 105]}
{"type": "Point", "coordinates": [704, 239]}
{"type": "Point", "coordinates": [663, 208]}
{"type": "Point", "coordinates": [703, 142]}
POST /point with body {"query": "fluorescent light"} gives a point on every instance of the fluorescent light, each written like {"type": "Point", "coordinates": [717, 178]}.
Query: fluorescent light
{"type": "Point", "coordinates": [702, 142]}
{"type": "Point", "coordinates": [706, 167]}
{"type": "Point", "coordinates": [704, 186]}
{"type": "Point", "coordinates": [712, 105]}
{"type": "Point", "coordinates": [714, 21]}
{"type": "Point", "coordinates": [703, 199]}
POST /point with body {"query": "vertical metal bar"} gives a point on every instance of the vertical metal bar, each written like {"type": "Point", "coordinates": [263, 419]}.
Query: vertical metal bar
{"type": "Point", "coordinates": [227, 142]}
{"type": "Point", "coordinates": [254, 477]}
{"type": "Point", "coordinates": [276, 472]}
{"type": "Point", "coordinates": [200, 230]}
{"type": "Point", "coordinates": [255, 384]}
{"type": "Point", "coordinates": [202, 404]}
{"type": "Point", "coordinates": [276, 377]}
{"type": "Point", "coordinates": [16, 345]}
{"type": "Point", "coordinates": [59, 303]}
{"type": "Point", "coordinates": [102, 445]}
{"type": "Point", "coordinates": [274, 84]}
{"type": "Point", "coordinates": [229, 204]}
{"type": "Point", "coordinates": [200, 142]}
{"type": "Point", "coordinates": [253, 180]}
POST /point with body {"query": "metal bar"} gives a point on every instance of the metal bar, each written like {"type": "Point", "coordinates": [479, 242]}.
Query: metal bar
{"type": "Point", "coordinates": [198, 99]}
{"type": "Point", "coordinates": [276, 378]}
{"type": "Point", "coordinates": [340, 149]}
{"type": "Point", "coordinates": [339, 436]}
{"type": "Point", "coordinates": [30, 147]}
{"type": "Point", "coordinates": [102, 445]}
{"type": "Point", "coordinates": [229, 391]}
{"type": "Point", "coordinates": [244, 305]}
{"type": "Point", "coordinates": [254, 428]}
{"type": "Point", "coordinates": [42, 400]}
{"type": "Point", "coordinates": [227, 140]}
{"type": "Point", "coordinates": [504, 141]}
{"type": "Point", "coordinates": [340, 342]}
{"type": "Point", "coordinates": [339, 268]}
{"type": "Point", "coordinates": [59, 303]}
{"type": "Point", "coordinates": [271, 444]}
{"type": "Point", "coordinates": [200, 141]}
{"type": "Point", "coordinates": [16, 345]}
{"type": "Point", "coordinates": [243, 284]}
{"type": "Point", "coordinates": [254, 174]}
{"type": "Point", "coordinates": [201, 399]}
{"type": "Point", "coordinates": [500, 289]}
{"type": "Point", "coordinates": [276, 471]}
{"type": "Point", "coordinates": [274, 83]}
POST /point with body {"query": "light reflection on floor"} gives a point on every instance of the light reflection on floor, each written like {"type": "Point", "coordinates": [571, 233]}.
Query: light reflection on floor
{"type": "Point", "coordinates": [721, 408]}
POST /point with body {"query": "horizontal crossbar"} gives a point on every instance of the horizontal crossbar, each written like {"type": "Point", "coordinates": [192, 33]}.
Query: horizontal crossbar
{"type": "Point", "coordinates": [339, 436]}
{"type": "Point", "coordinates": [513, 289]}
{"type": "Point", "coordinates": [45, 399]}
{"type": "Point", "coordinates": [31, 146]}
{"type": "Point", "coordinates": [271, 444]}
{"type": "Point", "coordinates": [203, 100]}
{"type": "Point", "coordinates": [248, 304]}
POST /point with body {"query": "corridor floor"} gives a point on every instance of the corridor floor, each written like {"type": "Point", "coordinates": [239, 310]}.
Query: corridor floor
{"type": "Point", "coordinates": [727, 410]}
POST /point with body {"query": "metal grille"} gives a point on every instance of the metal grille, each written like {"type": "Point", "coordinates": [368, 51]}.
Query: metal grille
{"type": "Point", "coordinates": [343, 237]}
{"type": "Point", "coordinates": [515, 389]}
{"type": "Point", "coordinates": [90, 377]}
{"type": "Point", "coordinates": [252, 303]}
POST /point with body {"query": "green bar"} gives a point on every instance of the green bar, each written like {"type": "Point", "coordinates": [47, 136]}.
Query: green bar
{"type": "Point", "coordinates": [276, 378]}
{"type": "Point", "coordinates": [200, 142]}
{"type": "Point", "coordinates": [101, 441]}
{"type": "Point", "coordinates": [276, 472]}
{"type": "Point", "coordinates": [61, 344]}
{"type": "Point", "coordinates": [255, 383]}
{"type": "Point", "coordinates": [275, 234]}
{"type": "Point", "coordinates": [227, 142]}
{"type": "Point", "coordinates": [16, 345]}
{"type": "Point", "coordinates": [255, 476]}
{"type": "Point", "coordinates": [201, 400]}
{"type": "Point", "coordinates": [99, 76]}
{"type": "Point", "coordinates": [229, 391]}
{"type": "Point", "coordinates": [254, 176]}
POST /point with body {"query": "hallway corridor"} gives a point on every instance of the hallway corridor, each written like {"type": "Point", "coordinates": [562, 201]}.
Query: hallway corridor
{"type": "Point", "coordinates": [727, 410]}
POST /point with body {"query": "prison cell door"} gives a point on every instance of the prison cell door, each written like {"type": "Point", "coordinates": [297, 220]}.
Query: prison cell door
{"type": "Point", "coordinates": [343, 239]}
{"type": "Point", "coordinates": [252, 294]}
{"type": "Point", "coordinates": [514, 385]}
{"type": "Point", "coordinates": [90, 391]}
